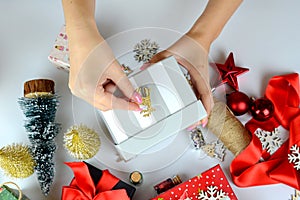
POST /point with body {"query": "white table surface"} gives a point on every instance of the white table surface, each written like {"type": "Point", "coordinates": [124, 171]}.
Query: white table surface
{"type": "Point", "coordinates": [264, 36]}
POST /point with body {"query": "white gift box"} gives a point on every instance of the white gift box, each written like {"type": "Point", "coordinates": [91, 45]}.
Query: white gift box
{"type": "Point", "coordinates": [176, 108]}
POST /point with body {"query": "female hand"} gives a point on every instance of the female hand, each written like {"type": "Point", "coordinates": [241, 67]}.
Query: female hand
{"type": "Point", "coordinates": [94, 72]}
{"type": "Point", "coordinates": [192, 53]}
{"type": "Point", "coordinates": [98, 78]}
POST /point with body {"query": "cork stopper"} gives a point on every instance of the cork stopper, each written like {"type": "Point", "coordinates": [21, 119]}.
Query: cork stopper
{"type": "Point", "coordinates": [176, 180]}
{"type": "Point", "coordinates": [136, 177]}
{"type": "Point", "coordinates": [39, 88]}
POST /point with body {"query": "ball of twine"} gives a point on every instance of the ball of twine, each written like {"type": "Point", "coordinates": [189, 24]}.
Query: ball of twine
{"type": "Point", "coordinates": [228, 128]}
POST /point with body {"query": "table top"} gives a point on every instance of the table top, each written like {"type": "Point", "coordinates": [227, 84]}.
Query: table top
{"type": "Point", "coordinates": [263, 35]}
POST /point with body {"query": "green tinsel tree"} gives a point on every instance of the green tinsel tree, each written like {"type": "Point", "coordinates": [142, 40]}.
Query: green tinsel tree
{"type": "Point", "coordinates": [40, 113]}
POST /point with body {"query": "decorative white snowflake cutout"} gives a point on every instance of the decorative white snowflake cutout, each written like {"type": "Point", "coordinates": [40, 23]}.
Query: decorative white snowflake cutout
{"type": "Point", "coordinates": [215, 150]}
{"type": "Point", "coordinates": [296, 196]}
{"type": "Point", "coordinates": [294, 156]}
{"type": "Point", "coordinates": [269, 140]}
{"type": "Point", "coordinates": [145, 50]}
{"type": "Point", "coordinates": [212, 193]}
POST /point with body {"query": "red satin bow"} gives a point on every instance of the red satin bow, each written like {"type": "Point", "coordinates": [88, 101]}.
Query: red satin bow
{"type": "Point", "coordinates": [82, 186]}
{"type": "Point", "coordinates": [247, 169]}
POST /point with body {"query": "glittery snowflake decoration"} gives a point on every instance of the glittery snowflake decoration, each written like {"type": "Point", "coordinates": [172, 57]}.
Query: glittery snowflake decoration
{"type": "Point", "coordinates": [269, 140]}
{"type": "Point", "coordinates": [145, 50]}
{"type": "Point", "coordinates": [294, 156]}
{"type": "Point", "coordinates": [212, 193]}
{"type": "Point", "coordinates": [215, 150]}
{"type": "Point", "coordinates": [197, 138]}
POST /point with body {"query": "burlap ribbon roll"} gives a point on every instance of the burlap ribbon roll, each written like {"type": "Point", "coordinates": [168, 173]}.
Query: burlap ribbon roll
{"type": "Point", "coordinates": [228, 128]}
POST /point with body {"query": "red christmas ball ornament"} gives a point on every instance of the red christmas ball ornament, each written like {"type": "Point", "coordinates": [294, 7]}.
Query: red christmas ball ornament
{"type": "Point", "coordinates": [261, 109]}
{"type": "Point", "coordinates": [238, 102]}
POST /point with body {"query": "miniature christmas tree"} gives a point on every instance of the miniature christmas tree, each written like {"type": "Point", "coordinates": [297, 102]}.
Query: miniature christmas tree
{"type": "Point", "coordinates": [39, 105]}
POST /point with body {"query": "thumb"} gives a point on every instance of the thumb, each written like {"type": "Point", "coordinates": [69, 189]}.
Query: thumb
{"type": "Point", "coordinates": [160, 56]}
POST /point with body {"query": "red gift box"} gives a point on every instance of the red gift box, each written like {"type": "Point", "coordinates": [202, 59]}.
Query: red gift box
{"type": "Point", "coordinates": [92, 183]}
{"type": "Point", "coordinates": [211, 184]}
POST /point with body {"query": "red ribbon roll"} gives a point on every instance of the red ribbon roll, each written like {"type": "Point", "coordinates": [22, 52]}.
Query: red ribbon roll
{"type": "Point", "coordinates": [82, 186]}
{"type": "Point", "coordinates": [247, 169]}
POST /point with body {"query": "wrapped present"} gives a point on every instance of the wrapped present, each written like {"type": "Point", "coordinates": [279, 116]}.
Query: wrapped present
{"type": "Point", "coordinates": [7, 193]}
{"type": "Point", "coordinates": [167, 98]}
{"type": "Point", "coordinates": [59, 54]}
{"type": "Point", "coordinates": [90, 182]}
{"type": "Point", "coordinates": [211, 184]}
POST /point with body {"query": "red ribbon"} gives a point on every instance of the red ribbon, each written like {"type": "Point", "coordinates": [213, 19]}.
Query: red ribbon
{"type": "Point", "coordinates": [247, 169]}
{"type": "Point", "coordinates": [82, 186]}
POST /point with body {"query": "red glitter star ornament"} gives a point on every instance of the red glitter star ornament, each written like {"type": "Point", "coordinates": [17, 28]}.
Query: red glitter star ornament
{"type": "Point", "coordinates": [229, 72]}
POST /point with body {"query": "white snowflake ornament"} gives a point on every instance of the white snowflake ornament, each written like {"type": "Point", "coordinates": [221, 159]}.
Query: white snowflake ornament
{"type": "Point", "coordinates": [270, 140]}
{"type": "Point", "coordinates": [294, 156]}
{"type": "Point", "coordinates": [212, 193]}
{"type": "Point", "coordinates": [145, 50]}
{"type": "Point", "coordinates": [296, 196]}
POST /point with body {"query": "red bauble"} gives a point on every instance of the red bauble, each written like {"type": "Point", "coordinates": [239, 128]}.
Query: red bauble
{"type": "Point", "coordinates": [261, 109]}
{"type": "Point", "coordinates": [238, 103]}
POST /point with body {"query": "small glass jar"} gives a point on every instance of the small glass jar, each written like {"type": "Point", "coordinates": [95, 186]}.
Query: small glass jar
{"type": "Point", "coordinates": [167, 184]}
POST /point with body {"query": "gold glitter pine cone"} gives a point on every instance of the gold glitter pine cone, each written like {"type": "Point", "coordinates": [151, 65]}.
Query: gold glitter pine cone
{"type": "Point", "coordinates": [81, 142]}
{"type": "Point", "coordinates": [16, 161]}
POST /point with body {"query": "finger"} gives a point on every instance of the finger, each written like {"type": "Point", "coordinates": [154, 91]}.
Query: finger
{"type": "Point", "coordinates": [205, 95]}
{"type": "Point", "coordinates": [122, 82]}
{"type": "Point", "coordinates": [110, 87]}
{"type": "Point", "coordinates": [203, 92]}
{"type": "Point", "coordinates": [108, 101]}
{"type": "Point", "coordinates": [192, 127]}
{"type": "Point", "coordinates": [145, 66]}
{"type": "Point", "coordinates": [160, 56]}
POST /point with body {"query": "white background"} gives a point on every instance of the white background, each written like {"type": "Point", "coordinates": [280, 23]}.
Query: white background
{"type": "Point", "coordinates": [264, 36]}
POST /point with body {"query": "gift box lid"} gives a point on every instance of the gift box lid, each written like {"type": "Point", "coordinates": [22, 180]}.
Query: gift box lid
{"type": "Point", "coordinates": [211, 182]}
{"type": "Point", "coordinates": [96, 174]}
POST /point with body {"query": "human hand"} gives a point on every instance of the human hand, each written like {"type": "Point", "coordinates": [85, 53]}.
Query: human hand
{"type": "Point", "coordinates": [95, 75]}
{"type": "Point", "coordinates": [192, 53]}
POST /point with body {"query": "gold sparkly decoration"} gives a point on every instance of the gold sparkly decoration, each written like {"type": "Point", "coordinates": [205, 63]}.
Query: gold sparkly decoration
{"type": "Point", "coordinates": [126, 69]}
{"type": "Point", "coordinates": [228, 128]}
{"type": "Point", "coordinates": [16, 161]}
{"type": "Point", "coordinates": [146, 101]}
{"type": "Point", "coordinates": [81, 142]}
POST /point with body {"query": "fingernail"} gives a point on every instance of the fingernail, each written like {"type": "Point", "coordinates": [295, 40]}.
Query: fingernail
{"type": "Point", "coordinates": [190, 128]}
{"type": "Point", "coordinates": [204, 123]}
{"type": "Point", "coordinates": [137, 97]}
{"type": "Point", "coordinates": [139, 109]}
{"type": "Point", "coordinates": [144, 66]}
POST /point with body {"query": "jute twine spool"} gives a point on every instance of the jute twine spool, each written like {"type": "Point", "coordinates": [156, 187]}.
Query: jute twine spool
{"type": "Point", "coordinates": [228, 128]}
{"type": "Point", "coordinates": [18, 188]}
